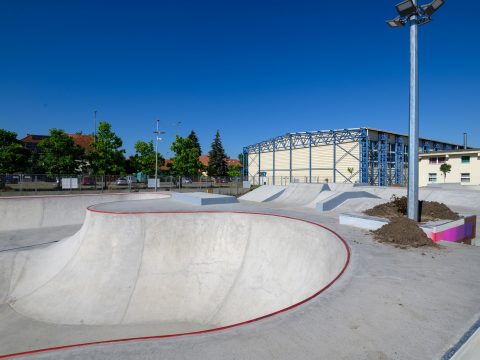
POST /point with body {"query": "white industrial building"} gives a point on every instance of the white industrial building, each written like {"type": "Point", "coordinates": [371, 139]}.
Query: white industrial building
{"type": "Point", "coordinates": [357, 155]}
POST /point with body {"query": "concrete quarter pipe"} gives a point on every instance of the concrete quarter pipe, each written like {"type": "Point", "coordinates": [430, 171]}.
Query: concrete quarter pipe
{"type": "Point", "coordinates": [213, 269]}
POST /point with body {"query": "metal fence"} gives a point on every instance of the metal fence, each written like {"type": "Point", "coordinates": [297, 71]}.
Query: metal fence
{"type": "Point", "coordinates": [285, 180]}
{"type": "Point", "coordinates": [35, 184]}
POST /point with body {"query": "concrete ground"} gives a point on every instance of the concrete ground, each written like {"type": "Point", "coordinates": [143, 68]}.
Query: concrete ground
{"type": "Point", "coordinates": [389, 304]}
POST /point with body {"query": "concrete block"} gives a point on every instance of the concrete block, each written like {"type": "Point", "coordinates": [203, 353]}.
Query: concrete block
{"type": "Point", "coordinates": [362, 221]}
{"type": "Point", "coordinates": [199, 198]}
{"type": "Point", "coordinates": [264, 193]}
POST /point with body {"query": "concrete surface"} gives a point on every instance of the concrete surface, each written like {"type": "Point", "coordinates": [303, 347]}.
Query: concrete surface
{"type": "Point", "coordinates": [201, 198]}
{"type": "Point", "coordinates": [390, 304]}
{"type": "Point", "coordinates": [339, 198]}
{"type": "Point", "coordinates": [362, 221]}
{"type": "Point", "coordinates": [12, 240]}
{"type": "Point", "coordinates": [300, 194]}
{"type": "Point", "coordinates": [32, 212]}
{"type": "Point", "coordinates": [263, 193]}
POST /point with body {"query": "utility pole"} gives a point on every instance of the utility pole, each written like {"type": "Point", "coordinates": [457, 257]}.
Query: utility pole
{"type": "Point", "coordinates": [95, 125]}
{"type": "Point", "coordinates": [157, 133]}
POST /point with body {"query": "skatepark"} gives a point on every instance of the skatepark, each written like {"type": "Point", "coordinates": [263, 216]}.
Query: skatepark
{"type": "Point", "coordinates": [272, 275]}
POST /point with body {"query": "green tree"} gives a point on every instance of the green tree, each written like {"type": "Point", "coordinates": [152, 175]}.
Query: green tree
{"type": "Point", "coordinates": [445, 168]}
{"type": "Point", "coordinates": [13, 156]}
{"type": "Point", "coordinates": [60, 154]}
{"type": "Point", "coordinates": [234, 170]}
{"type": "Point", "coordinates": [241, 158]}
{"type": "Point", "coordinates": [106, 156]}
{"type": "Point", "coordinates": [144, 158]}
{"type": "Point", "coordinates": [185, 162]}
{"type": "Point", "coordinates": [217, 165]}
{"type": "Point", "coordinates": [193, 137]}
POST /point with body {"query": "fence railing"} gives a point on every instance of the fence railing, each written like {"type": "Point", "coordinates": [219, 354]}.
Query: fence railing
{"type": "Point", "coordinates": [285, 180]}
{"type": "Point", "coordinates": [31, 184]}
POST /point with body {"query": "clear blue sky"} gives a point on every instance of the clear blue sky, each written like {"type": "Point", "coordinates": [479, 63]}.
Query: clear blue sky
{"type": "Point", "coordinates": [253, 69]}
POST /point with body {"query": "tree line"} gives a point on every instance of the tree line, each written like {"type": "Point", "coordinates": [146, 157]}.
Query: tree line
{"type": "Point", "coordinates": [59, 154]}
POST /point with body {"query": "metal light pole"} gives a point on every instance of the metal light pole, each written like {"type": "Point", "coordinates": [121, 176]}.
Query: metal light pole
{"type": "Point", "coordinates": [157, 138]}
{"type": "Point", "coordinates": [410, 12]}
{"type": "Point", "coordinates": [412, 191]}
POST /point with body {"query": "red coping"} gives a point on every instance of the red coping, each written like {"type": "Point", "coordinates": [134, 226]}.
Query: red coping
{"type": "Point", "coordinates": [56, 348]}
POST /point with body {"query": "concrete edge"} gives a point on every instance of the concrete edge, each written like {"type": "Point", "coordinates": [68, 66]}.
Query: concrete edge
{"type": "Point", "coordinates": [463, 340]}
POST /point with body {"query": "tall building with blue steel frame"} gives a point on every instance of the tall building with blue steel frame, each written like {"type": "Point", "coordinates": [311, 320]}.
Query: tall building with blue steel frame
{"type": "Point", "coordinates": [358, 155]}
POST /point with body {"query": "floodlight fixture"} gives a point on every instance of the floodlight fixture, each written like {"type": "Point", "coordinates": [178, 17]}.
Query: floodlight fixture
{"type": "Point", "coordinates": [423, 20]}
{"type": "Point", "coordinates": [406, 8]}
{"type": "Point", "coordinates": [397, 22]}
{"type": "Point", "coordinates": [429, 9]}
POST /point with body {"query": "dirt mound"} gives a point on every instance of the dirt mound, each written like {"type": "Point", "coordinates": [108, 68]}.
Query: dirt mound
{"type": "Point", "coordinates": [429, 210]}
{"type": "Point", "coordinates": [403, 233]}
{"type": "Point", "coordinates": [432, 210]}
{"type": "Point", "coordinates": [395, 208]}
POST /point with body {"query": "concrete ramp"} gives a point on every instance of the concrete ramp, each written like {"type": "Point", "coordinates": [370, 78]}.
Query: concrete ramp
{"type": "Point", "coordinates": [342, 187]}
{"type": "Point", "coordinates": [30, 212]}
{"type": "Point", "coordinates": [358, 205]}
{"type": "Point", "coordinates": [463, 198]}
{"type": "Point", "coordinates": [384, 192]}
{"type": "Point", "coordinates": [264, 193]}
{"type": "Point", "coordinates": [300, 194]}
{"type": "Point", "coordinates": [207, 269]}
{"type": "Point", "coordinates": [339, 198]}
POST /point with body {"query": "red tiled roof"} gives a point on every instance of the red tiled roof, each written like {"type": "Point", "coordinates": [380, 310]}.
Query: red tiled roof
{"type": "Point", "coordinates": [85, 141]}
{"type": "Point", "coordinates": [166, 166]}
{"type": "Point", "coordinates": [33, 139]}
{"type": "Point", "coordinates": [204, 159]}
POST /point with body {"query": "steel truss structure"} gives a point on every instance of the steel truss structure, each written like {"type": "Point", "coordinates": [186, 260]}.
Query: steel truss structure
{"type": "Point", "coordinates": [382, 158]}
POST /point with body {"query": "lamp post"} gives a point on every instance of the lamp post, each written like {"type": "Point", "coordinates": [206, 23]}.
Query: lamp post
{"type": "Point", "coordinates": [157, 133]}
{"type": "Point", "coordinates": [415, 15]}
{"type": "Point", "coordinates": [95, 125]}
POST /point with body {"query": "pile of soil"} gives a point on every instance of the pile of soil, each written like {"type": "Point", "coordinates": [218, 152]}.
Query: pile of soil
{"type": "Point", "coordinates": [432, 210]}
{"type": "Point", "coordinates": [429, 210]}
{"type": "Point", "coordinates": [393, 209]}
{"type": "Point", "coordinates": [403, 233]}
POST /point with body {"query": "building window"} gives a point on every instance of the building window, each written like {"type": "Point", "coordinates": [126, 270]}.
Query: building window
{"type": "Point", "coordinates": [465, 178]}
{"type": "Point", "coordinates": [441, 159]}
{"type": "Point", "coordinates": [432, 177]}
{"type": "Point", "coordinates": [465, 159]}
{"type": "Point", "coordinates": [433, 160]}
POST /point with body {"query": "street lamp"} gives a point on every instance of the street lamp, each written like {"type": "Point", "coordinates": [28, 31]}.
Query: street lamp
{"type": "Point", "coordinates": [157, 138]}
{"type": "Point", "coordinates": [410, 12]}
{"type": "Point", "coordinates": [95, 126]}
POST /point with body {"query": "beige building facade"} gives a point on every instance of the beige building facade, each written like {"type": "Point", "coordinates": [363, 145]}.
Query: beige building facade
{"type": "Point", "coordinates": [464, 167]}
{"type": "Point", "coordinates": [356, 155]}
